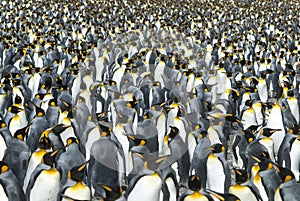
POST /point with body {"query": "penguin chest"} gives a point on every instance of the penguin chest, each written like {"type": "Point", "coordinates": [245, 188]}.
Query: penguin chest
{"type": "Point", "coordinates": [2, 147]}
{"type": "Point", "coordinates": [172, 189]}
{"type": "Point", "coordinates": [3, 196]}
{"type": "Point", "coordinates": [249, 117]}
{"type": "Point", "coordinates": [295, 158]}
{"type": "Point", "coordinates": [293, 103]}
{"type": "Point", "coordinates": [78, 192]}
{"type": "Point", "coordinates": [243, 192]}
{"type": "Point", "coordinates": [257, 181]}
{"type": "Point", "coordinates": [46, 186]}
{"type": "Point", "coordinates": [147, 188]}
{"type": "Point", "coordinates": [277, 196]}
{"type": "Point", "coordinates": [215, 174]}
{"type": "Point", "coordinates": [34, 161]}
{"type": "Point", "coordinates": [196, 196]}
{"type": "Point", "coordinates": [269, 144]}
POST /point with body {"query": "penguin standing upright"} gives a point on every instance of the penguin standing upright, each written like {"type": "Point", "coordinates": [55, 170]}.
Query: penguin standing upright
{"type": "Point", "coordinates": [17, 154]}
{"type": "Point", "coordinates": [69, 159]}
{"type": "Point", "coordinates": [148, 180]}
{"type": "Point", "coordinates": [243, 188]}
{"type": "Point", "coordinates": [194, 185]}
{"type": "Point", "coordinates": [44, 181]}
{"type": "Point", "coordinates": [35, 159]}
{"type": "Point", "coordinates": [77, 190]}
{"type": "Point", "coordinates": [9, 187]}
{"type": "Point", "coordinates": [275, 121]}
{"type": "Point", "coordinates": [217, 168]}
{"type": "Point", "coordinates": [288, 188]}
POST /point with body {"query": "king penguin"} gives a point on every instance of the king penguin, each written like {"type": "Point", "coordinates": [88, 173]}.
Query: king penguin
{"type": "Point", "coordinates": [217, 168]}
{"type": "Point", "coordinates": [195, 192]}
{"type": "Point", "coordinates": [9, 187]}
{"type": "Point", "coordinates": [44, 181]}
{"type": "Point", "coordinates": [147, 185]}
{"type": "Point", "coordinates": [76, 189]}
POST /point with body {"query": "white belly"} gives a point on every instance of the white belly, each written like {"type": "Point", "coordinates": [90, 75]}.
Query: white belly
{"type": "Point", "coordinates": [2, 147]}
{"type": "Point", "coordinates": [3, 196]}
{"type": "Point", "coordinates": [295, 158]}
{"type": "Point", "coordinates": [46, 187]}
{"type": "Point", "coordinates": [147, 188]}
{"type": "Point", "coordinates": [242, 192]}
{"type": "Point", "coordinates": [215, 175]}
{"type": "Point", "coordinates": [78, 192]}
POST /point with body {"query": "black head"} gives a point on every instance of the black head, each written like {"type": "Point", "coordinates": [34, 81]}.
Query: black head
{"type": "Point", "coordinates": [14, 109]}
{"type": "Point", "coordinates": [194, 183]}
{"type": "Point", "coordinates": [241, 176]}
{"type": "Point", "coordinates": [3, 167]}
{"type": "Point", "coordinates": [2, 124]}
{"type": "Point", "coordinates": [285, 174]}
{"type": "Point", "coordinates": [268, 131]}
{"type": "Point", "coordinates": [22, 133]}
{"type": "Point", "coordinates": [49, 158]}
{"type": "Point", "coordinates": [53, 102]}
{"type": "Point", "coordinates": [173, 132]}
{"type": "Point", "coordinates": [136, 140]}
{"type": "Point", "coordinates": [39, 112]}
{"type": "Point", "coordinates": [77, 173]}
{"type": "Point", "coordinates": [217, 148]}
{"type": "Point", "coordinates": [59, 128]}
{"type": "Point", "coordinates": [72, 140]}
{"type": "Point", "coordinates": [44, 143]}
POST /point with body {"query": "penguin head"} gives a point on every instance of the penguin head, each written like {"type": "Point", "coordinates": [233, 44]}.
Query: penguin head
{"type": "Point", "coordinates": [3, 167]}
{"type": "Point", "coordinates": [151, 162]}
{"type": "Point", "coordinates": [53, 102]}
{"type": "Point", "coordinates": [71, 140]}
{"type": "Point", "coordinates": [268, 131]}
{"type": "Point", "coordinates": [248, 135]}
{"type": "Point", "coordinates": [285, 174]}
{"type": "Point", "coordinates": [232, 118]}
{"type": "Point", "coordinates": [45, 143]}
{"type": "Point", "coordinates": [241, 176]}
{"type": "Point", "coordinates": [77, 173]}
{"type": "Point", "coordinates": [264, 161]}
{"type": "Point", "coordinates": [203, 134]}
{"type": "Point", "coordinates": [194, 183]}
{"type": "Point", "coordinates": [18, 100]}
{"type": "Point", "coordinates": [14, 109]}
{"type": "Point", "coordinates": [59, 128]}
{"type": "Point", "coordinates": [295, 129]}
{"type": "Point", "coordinates": [49, 158]}
{"type": "Point", "coordinates": [39, 112]}
{"type": "Point", "coordinates": [2, 124]}
{"type": "Point", "coordinates": [22, 133]}
{"type": "Point", "coordinates": [136, 140]}
{"type": "Point", "coordinates": [217, 148]}
{"type": "Point", "coordinates": [174, 131]}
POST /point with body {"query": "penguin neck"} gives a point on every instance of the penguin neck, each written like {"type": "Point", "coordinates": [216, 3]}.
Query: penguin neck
{"type": "Point", "coordinates": [197, 195]}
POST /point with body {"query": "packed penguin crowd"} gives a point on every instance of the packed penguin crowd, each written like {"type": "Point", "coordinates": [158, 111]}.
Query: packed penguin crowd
{"type": "Point", "coordinates": [149, 100]}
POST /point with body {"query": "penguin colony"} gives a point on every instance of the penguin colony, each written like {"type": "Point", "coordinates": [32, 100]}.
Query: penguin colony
{"type": "Point", "coordinates": [149, 100]}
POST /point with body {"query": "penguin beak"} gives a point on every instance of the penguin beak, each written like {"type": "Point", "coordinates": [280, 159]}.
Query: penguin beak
{"type": "Point", "coordinates": [54, 153]}
{"type": "Point", "coordinates": [83, 166]}
{"type": "Point", "coordinates": [256, 159]}
{"type": "Point", "coordinates": [215, 194]}
{"type": "Point", "coordinates": [275, 130]}
{"type": "Point", "coordinates": [139, 155]}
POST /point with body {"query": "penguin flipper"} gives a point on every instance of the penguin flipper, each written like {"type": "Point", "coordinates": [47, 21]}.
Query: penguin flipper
{"type": "Point", "coordinates": [12, 189]}
{"type": "Point", "coordinates": [234, 145]}
{"type": "Point", "coordinates": [33, 177]}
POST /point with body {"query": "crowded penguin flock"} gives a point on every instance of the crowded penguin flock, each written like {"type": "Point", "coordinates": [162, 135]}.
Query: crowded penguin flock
{"type": "Point", "coordinates": [149, 100]}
